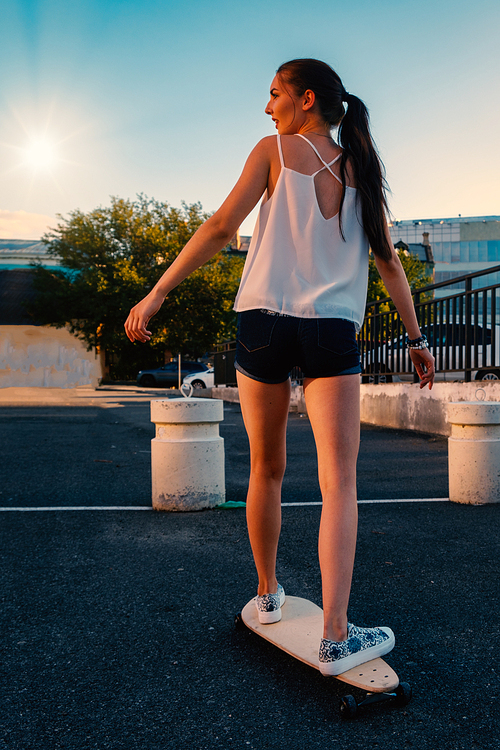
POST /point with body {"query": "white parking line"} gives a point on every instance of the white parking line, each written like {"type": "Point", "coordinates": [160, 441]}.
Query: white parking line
{"type": "Point", "coordinates": [79, 507]}
{"type": "Point", "coordinates": [370, 502]}
{"type": "Point", "coordinates": [149, 507]}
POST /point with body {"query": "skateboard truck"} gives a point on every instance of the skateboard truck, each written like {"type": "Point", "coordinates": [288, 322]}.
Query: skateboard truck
{"type": "Point", "coordinates": [299, 634]}
{"type": "Point", "coordinates": [349, 706]}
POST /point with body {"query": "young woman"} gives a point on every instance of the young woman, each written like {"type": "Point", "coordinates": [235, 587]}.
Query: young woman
{"type": "Point", "coordinates": [301, 300]}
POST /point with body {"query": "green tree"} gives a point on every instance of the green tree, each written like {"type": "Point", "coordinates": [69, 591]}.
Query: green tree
{"type": "Point", "coordinates": [415, 272]}
{"type": "Point", "coordinates": [385, 326]}
{"type": "Point", "coordinates": [112, 257]}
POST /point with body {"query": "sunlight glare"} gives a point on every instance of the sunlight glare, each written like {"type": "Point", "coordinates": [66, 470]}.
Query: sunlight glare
{"type": "Point", "coordinates": [40, 154]}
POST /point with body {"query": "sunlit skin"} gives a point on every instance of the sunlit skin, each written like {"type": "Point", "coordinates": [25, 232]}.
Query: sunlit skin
{"type": "Point", "coordinates": [332, 402]}
{"type": "Point", "coordinates": [293, 114]}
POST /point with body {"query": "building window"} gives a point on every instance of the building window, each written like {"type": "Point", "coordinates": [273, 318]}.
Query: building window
{"type": "Point", "coordinates": [494, 250]}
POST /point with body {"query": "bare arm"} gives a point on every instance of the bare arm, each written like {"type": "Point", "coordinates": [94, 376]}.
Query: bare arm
{"type": "Point", "coordinates": [209, 239]}
{"type": "Point", "coordinates": [394, 278]}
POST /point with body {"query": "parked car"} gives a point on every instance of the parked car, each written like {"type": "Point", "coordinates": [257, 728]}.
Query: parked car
{"type": "Point", "coordinates": [447, 343]}
{"type": "Point", "coordinates": [167, 376]}
{"type": "Point", "coordinates": [451, 346]}
{"type": "Point", "coordinates": [200, 379]}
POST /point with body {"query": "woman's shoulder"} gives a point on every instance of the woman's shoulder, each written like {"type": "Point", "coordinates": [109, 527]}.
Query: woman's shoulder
{"type": "Point", "coordinates": [266, 148]}
{"type": "Point", "coordinates": [268, 142]}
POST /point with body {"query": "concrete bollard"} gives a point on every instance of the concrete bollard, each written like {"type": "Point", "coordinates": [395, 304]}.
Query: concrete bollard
{"type": "Point", "coordinates": [474, 452]}
{"type": "Point", "coordinates": [187, 454]}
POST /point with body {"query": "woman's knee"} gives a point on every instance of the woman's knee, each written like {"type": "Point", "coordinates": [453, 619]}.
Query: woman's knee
{"type": "Point", "coordinates": [337, 479]}
{"type": "Point", "coordinates": [268, 469]}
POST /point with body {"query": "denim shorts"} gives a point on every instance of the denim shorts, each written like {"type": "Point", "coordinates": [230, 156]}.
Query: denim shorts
{"type": "Point", "coordinates": [270, 344]}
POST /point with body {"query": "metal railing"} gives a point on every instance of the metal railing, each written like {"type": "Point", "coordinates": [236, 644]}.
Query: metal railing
{"type": "Point", "coordinates": [224, 371]}
{"type": "Point", "coordinates": [460, 317]}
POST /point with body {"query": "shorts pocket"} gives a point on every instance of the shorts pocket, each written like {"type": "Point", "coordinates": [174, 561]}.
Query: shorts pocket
{"type": "Point", "coordinates": [255, 329]}
{"type": "Point", "coordinates": [337, 335]}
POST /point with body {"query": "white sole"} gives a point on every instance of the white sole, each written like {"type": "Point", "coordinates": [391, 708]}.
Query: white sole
{"type": "Point", "coordinates": [267, 618]}
{"type": "Point", "coordinates": [334, 668]}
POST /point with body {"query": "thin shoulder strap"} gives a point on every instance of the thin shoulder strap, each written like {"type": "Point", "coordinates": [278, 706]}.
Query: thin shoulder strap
{"type": "Point", "coordinates": [280, 151]}
{"type": "Point", "coordinates": [325, 165]}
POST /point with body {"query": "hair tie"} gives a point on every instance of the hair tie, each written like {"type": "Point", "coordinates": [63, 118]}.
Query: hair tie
{"type": "Point", "coordinates": [345, 94]}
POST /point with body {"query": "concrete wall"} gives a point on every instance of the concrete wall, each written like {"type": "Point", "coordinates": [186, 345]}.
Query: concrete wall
{"type": "Point", "coordinates": [405, 406]}
{"type": "Point", "coordinates": [226, 393]}
{"type": "Point", "coordinates": [42, 356]}
{"type": "Point", "coordinates": [400, 405]}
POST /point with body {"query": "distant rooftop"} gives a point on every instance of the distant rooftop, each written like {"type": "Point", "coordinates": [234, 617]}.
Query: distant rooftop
{"type": "Point", "coordinates": [20, 253]}
{"type": "Point", "coordinates": [453, 220]}
{"type": "Point", "coordinates": [22, 246]}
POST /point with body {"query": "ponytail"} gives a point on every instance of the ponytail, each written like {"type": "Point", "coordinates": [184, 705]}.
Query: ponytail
{"type": "Point", "coordinates": [358, 147]}
{"type": "Point", "coordinates": [355, 139]}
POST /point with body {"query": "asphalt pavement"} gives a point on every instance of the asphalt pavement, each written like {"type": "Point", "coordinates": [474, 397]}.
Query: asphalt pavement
{"type": "Point", "coordinates": [118, 625]}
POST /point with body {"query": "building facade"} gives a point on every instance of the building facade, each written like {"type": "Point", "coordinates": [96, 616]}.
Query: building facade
{"type": "Point", "coordinates": [32, 355]}
{"type": "Point", "coordinates": [461, 245]}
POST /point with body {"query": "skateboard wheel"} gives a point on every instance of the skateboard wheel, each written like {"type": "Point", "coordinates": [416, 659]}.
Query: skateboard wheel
{"type": "Point", "coordinates": [238, 622]}
{"type": "Point", "coordinates": [348, 707]}
{"type": "Point", "coordinates": [403, 694]}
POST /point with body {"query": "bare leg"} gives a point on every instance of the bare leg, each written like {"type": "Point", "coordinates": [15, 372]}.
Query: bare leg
{"type": "Point", "coordinates": [333, 408]}
{"type": "Point", "coordinates": [265, 413]}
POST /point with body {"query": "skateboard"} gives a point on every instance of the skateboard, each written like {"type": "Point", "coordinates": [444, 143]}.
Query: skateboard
{"type": "Point", "coordinates": [299, 633]}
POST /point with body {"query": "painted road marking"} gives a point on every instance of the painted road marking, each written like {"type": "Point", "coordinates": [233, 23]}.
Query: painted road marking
{"type": "Point", "coordinates": [370, 502]}
{"type": "Point", "coordinates": [80, 507]}
{"type": "Point", "coordinates": [149, 507]}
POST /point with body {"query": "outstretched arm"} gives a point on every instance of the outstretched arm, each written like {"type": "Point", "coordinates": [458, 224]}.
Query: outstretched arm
{"type": "Point", "coordinates": [394, 278]}
{"type": "Point", "coordinates": [209, 239]}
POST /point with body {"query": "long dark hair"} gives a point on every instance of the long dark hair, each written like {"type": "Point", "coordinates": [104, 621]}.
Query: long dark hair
{"type": "Point", "coordinates": [355, 139]}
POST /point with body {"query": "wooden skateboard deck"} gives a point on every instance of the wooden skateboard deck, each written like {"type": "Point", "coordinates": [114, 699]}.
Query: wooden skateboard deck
{"type": "Point", "coordinates": [299, 633]}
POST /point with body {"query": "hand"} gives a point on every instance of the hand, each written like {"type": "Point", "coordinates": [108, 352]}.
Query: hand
{"type": "Point", "coordinates": [139, 317]}
{"type": "Point", "coordinates": [424, 365]}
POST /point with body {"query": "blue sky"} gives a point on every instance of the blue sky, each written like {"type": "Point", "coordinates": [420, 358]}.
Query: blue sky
{"type": "Point", "coordinates": [167, 98]}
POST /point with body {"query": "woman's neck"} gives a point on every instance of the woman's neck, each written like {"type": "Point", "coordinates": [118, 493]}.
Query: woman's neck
{"type": "Point", "coordinates": [314, 125]}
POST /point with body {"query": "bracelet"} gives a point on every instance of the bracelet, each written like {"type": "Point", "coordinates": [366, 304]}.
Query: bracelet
{"type": "Point", "coordinates": [420, 343]}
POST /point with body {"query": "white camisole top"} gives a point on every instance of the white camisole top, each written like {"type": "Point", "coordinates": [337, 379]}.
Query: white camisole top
{"type": "Point", "coordinates": [297, 263]}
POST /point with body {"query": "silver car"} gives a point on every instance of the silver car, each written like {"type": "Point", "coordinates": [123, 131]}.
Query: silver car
{"type": "Point", "coordinates": [167, 376]}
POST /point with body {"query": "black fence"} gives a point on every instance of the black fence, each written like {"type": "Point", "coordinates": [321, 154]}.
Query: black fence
{"type": "Point", "coordinates": [224, 372]}
{"type": "Point", "coordinates": [460, 317]}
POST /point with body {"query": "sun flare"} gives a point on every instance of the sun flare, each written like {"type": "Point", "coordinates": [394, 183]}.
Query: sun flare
{"type": "Point", "coordinates": [40, 154]}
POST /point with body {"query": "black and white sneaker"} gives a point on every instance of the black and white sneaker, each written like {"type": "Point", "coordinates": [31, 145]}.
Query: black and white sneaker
{"type": "Point", "coordinates": [269, 606]}
{"type": "Point", "coordinates": [362, 644]}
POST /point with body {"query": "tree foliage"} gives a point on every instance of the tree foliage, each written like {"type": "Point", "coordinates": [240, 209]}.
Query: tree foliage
{"type": "Point", "coordinates": [415, 272]}
{"type": "Point", "coordinates": [112, 257]}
